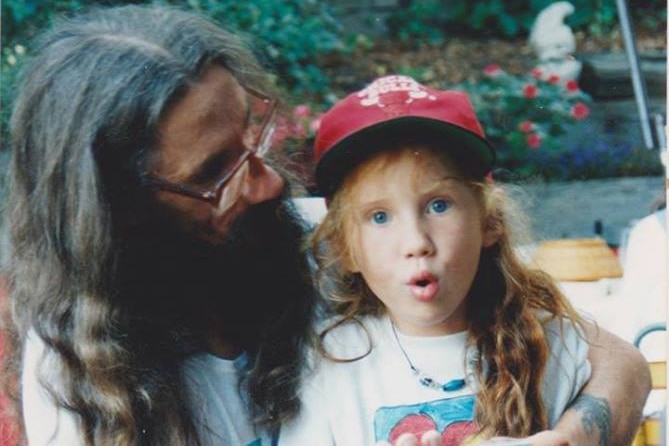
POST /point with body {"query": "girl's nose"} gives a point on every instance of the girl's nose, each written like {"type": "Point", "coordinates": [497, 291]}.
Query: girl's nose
{"type": "Point", "coordinates": [262, 183]}
{"type": "Point", "coordinates": [417, 240]}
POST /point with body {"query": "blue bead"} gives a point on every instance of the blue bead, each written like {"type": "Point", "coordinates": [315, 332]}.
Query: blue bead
{"type": "Point", "coordinates": [427, 382]}
{"type": "Point", "coordinates": [454, 384]}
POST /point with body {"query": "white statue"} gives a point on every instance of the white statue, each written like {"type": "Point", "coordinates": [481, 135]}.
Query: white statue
{"type": "Point", "coordinates": [554, 42]}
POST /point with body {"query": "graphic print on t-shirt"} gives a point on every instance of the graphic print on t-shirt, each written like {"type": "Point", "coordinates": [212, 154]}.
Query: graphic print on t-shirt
{"type": "Point", "coordinates": [451, 417]}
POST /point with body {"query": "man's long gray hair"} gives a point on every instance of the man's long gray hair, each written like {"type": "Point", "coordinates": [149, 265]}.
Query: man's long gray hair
{"type": "Point", "coordinates": [85, 118]}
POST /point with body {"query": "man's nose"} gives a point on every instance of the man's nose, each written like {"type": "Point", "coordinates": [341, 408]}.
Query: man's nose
{"type": "Point", "coordinates": [262, 183]}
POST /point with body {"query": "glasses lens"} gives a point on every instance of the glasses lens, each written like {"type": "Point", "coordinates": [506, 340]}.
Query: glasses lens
{"type": "Point", "coordinates": [260, 127]}
{"type": "Point", "coordinates": [233, 188]}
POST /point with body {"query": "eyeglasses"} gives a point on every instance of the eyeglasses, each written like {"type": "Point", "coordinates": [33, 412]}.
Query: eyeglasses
{"type": "Point", "coordinates": [257, 138]}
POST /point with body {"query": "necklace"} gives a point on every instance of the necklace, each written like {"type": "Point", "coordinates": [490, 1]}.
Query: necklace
{"type": "Point", "coordinates": [426, 380]}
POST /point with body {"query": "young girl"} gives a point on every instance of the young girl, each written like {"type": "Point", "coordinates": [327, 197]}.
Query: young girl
{"type": "Point", "coordinates": [439, 330]}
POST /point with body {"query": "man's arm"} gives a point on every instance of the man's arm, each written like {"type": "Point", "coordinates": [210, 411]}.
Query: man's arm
{"type": "Point", "coordinates": [608, 409]}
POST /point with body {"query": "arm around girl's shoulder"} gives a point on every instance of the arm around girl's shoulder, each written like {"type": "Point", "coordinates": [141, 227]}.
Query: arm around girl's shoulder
{"type": "Point", "coordinates": [568, 368]}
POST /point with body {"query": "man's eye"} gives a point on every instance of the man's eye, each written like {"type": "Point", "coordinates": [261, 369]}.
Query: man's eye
{"type": "Point", "coordinates": [438, 206]}
{"type": "Point", "coordinates": [215, 167]}
{"type": "Point", "coordinates": [209, 174]}
{"type": "Point", "coordinates": [380, 217]}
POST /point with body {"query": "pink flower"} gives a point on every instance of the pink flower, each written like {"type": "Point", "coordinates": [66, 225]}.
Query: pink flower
{"type": "Point", "coordinates": [554, 79]}
{"type": "Point", "coordinates": [492, 70]}
{"type": "Point", "coordinates": [530, 91]}
{"type": "Point", "coordinates": [526, 126]}
{"type": "Point", "coordinates": [533, 140]}
{"type": "Point", "coordinates": [282, 131]}
{"type": "Point", "coordinates": [536, 73]}
{"type": "Point", "coordinates": [301, 111]}
{"type": "Point", "coordinates": [297, 130]}
{"type": "Point", "coordinates": [580, 111]}
{"type": "Point", "coordinates": [315, 123]}
{"type": "Point", "coordinates": [571, 86]}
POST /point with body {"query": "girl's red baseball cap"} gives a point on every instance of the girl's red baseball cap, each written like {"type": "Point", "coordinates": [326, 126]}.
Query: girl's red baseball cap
{"type": "Point", "coordinates": [397, 108]}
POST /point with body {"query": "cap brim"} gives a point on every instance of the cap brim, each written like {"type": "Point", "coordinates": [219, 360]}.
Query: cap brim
{"type": "Point", "coordinates": [471, 152]}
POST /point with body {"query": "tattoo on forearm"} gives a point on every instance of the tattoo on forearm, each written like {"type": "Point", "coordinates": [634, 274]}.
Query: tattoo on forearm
{"type": "Point", "coordinates": [595, 413]}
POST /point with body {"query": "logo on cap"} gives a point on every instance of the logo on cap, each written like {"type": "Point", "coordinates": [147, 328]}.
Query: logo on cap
{"type": "Point", "coordinates": [392, 93]}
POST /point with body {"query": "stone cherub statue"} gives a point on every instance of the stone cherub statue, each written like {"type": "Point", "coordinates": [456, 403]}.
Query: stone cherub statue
{"type": "Point", "coordinates": [554, 42]}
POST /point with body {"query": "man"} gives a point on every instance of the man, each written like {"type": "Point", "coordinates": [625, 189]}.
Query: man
{"type": "Point", "coordinates": [157, 289]}
{"type": "Point", "coordinates": [145, 230]}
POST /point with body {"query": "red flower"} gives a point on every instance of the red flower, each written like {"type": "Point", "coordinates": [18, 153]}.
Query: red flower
{"type": "Point", "coordinates": [301, 111]}
{"type": "Point", "coordinates": [492, 70]}
{"type": "Point", "coordinates": [536, 73]}
{"type": "Point", "coordinates": [533, 140]}
{"type": "Point", "coordinates": [530, 91]}
{"type": "Point", "coordinates": [554, 79]}
{"type": "Point", "coordinates": [580, 111]}
{"type": "Point", "coordinates": [571, 86]}
{"type": "Point", "coordinates": [526, 126]}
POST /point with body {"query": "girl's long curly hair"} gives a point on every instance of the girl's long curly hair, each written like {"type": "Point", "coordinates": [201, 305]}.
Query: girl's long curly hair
{"type": "Point", "coordinates": [85, 120]}
{"type": "Point", "coordinates": [506, 303]}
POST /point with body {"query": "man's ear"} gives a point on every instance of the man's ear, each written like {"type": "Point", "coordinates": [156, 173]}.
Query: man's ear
{"type": "Point", "coordinates": [492, 230]}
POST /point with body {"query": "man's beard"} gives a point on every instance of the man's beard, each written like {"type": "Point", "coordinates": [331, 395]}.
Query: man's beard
{"type": "Point", "coordinates": [176, 286]}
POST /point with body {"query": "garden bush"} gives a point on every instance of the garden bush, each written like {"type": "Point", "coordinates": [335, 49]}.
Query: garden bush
{"type": "Point", "coordinates": [525, 113]}
{"type": "Point", "coordinates": [294, 36]}
{"type": "Point", "coordinates": [290, 35]}
{"type": "Point", "coordinates": [432, 21]}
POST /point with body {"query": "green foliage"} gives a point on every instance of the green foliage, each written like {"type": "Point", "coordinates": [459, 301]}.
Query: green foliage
{"type": "Point", "coordinates": [11, 60]}
{"type": "Point", "coordinates": [21, 21]}
{"type": "Point", "coordinates": [291, 35]}
{"type": "Point", "coordinates": [434, 20]}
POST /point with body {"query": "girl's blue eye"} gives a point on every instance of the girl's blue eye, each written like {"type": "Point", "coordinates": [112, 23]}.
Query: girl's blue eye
{"type": "Point", "coordinates": [380, 217]}
{"type": "Point", "coordinates": [438, 206]}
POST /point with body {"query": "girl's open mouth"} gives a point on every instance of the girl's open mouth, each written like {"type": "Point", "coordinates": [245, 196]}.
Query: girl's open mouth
{"type": "Point", "coordinates": [424, 286]}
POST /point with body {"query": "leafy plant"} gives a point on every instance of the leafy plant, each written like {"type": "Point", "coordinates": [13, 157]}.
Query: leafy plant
{"type": "Point", "coordinates": [525, 113]}
{"type": "Point", "coordinates": [291, 35]}
{"type": "Point", "coordinates": [433, 20]}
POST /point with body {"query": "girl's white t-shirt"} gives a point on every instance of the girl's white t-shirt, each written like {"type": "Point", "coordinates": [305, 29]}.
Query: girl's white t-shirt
{"type": "Point", "coordinates": [377, 398]}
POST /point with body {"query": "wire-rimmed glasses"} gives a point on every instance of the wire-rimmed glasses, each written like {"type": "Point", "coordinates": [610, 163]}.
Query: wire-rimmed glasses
{"type": "Point", "coordinates": [226, 188]}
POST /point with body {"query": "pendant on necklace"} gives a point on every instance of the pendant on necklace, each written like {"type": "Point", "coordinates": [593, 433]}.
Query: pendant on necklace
{"type": "Point", "coordinates": [423, 379]}
{"type": "Point", "coordinates": [450, 386]}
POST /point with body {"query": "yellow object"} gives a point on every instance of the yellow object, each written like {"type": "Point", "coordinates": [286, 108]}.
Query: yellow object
{"type": "Point", "coordinates": [658, 374]}
{"type": "Point", "coordinates": [577, 259]}
{"type": "Point", "coordinates": [640, 437]}
{"type": "Point", "coordinates": [652, 430]}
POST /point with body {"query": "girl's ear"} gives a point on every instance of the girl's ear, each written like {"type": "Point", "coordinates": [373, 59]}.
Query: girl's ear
{"type": "Point", "coordinates": [493, 222]}
{"type": "Point", "coordinates": [492, 230]}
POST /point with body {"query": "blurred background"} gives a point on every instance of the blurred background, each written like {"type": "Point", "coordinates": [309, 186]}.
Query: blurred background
{"type": "Point", "coordinates": [547, 130]}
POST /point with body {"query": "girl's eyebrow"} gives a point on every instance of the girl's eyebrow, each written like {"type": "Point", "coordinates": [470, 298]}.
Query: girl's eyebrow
{"type": "Point", "coordinates": [366, 206]}
{"type": "Point", "coordinates": [445, 181]}
{"type": "Point", "coordinates": [451, 178]}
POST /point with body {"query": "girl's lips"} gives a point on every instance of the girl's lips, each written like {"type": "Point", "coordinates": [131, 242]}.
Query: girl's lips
{"type": "Point", "coordinates": [424, 286]}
